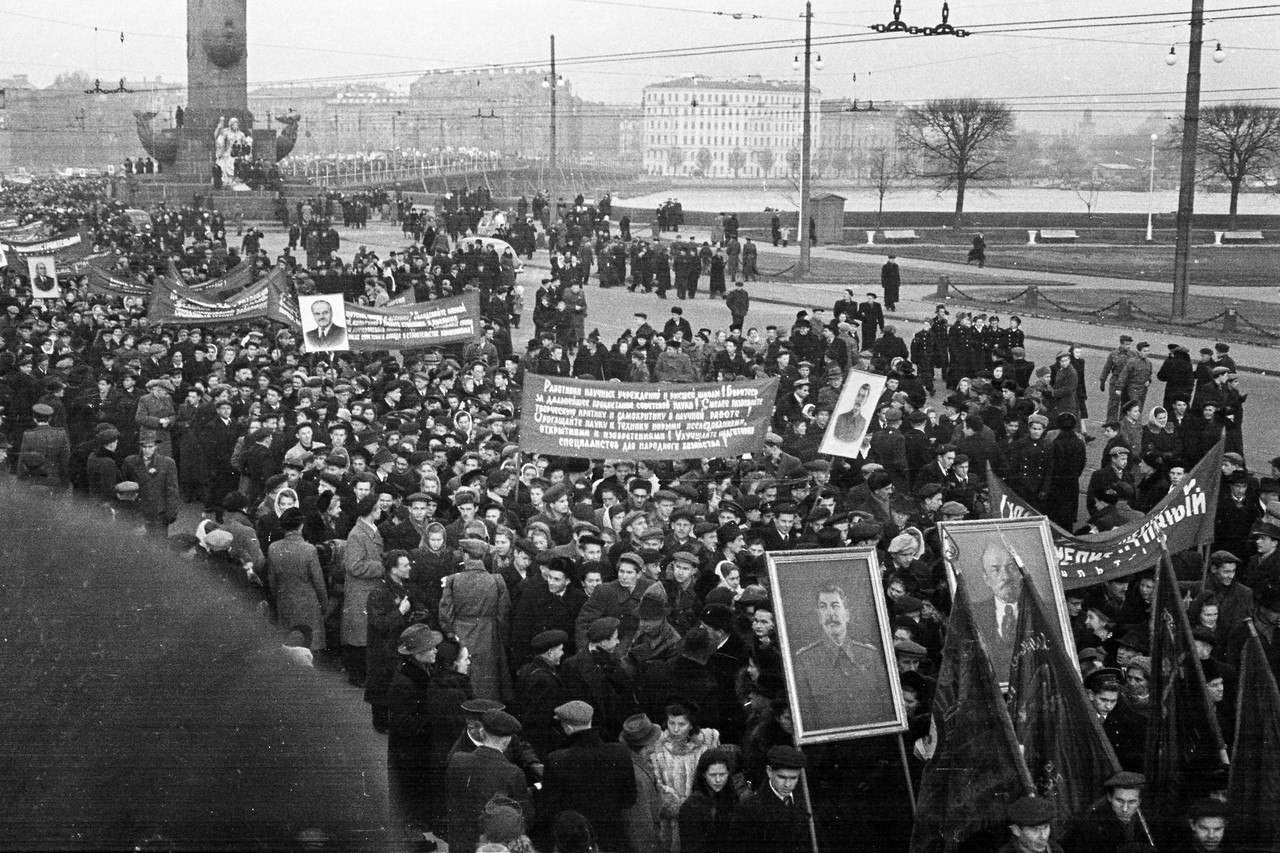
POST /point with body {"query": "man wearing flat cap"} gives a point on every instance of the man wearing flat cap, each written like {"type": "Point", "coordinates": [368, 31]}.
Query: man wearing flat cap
{"type": "Point", "coordinates": [1114, 821]}
{"type": "Point", "coordinates": [474, 778]}
{"type": "Point", "coordinates": [773, 819]}
{"type": "Point", "coordinates": [590, 774]}
{"type": "Point", "coordinates": [539, 690]}
{"type": "Point", "coordinates": [1030, 823]}
{"type": "Point", "coordinates": [1109, 379]}
{"type": "Point", "coordinates": [596, 676]}
{"type": "Point", "coordinates": [834, 673]}
{"type": "Point", "coordinates": [159, 498]}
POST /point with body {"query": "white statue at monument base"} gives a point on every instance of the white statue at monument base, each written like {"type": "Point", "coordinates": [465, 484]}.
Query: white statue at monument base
{"type": "Point", "coordinates": [230, 146]}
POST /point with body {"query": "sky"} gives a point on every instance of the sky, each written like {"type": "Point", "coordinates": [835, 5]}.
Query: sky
{"type": "Point", "coordinates": [1089, 53]}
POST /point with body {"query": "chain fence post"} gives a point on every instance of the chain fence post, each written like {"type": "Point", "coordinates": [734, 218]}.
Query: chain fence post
{"type": "Point", "coordinates": [1033, 297]}
{"type": "Point", "coordinates": [1126, 309]}
{"type": "Point", "coordinates": [1231, 320]}
{"type": "Point", "coordinates": [944, 287]}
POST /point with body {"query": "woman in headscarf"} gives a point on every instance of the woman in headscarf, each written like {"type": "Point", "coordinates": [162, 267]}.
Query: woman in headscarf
{"type": "Point", "coordinates": [474, 607]}
{"type": "Point", "coordinates": [1159, 435]}
{"type": "Point", "coordinates": [432, 563]}
{"type": "Point", "coordinates": [269, 529]}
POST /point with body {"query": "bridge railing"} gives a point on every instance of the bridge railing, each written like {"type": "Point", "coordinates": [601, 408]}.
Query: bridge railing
{"type": "Point", "coordinates": [340, 172]}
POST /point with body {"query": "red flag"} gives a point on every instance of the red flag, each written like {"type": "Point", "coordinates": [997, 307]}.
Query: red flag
{"type": "Point", "coordinates": [977, 767]}
{"type": "Point", "coordinates": [1255, 759]}
{"type": "Point", "coordinates": [1063, 743]}
{"type": "Point", "coordinates": [1183, 737]}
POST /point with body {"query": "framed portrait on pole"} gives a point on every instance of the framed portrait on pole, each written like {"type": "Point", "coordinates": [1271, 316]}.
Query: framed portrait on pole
{"type": "Point", "coordinates": [854, 412]}
{"type": "Point", "coordinates": [42, 270]}
{"type": "Point", "coordinates": [988, 552]}
{"type": "Point", "coordinates": [837, 649]}
{"type": "Point", "coordinates": [324, 323]}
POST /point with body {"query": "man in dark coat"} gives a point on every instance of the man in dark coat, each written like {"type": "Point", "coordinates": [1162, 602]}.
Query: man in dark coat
{"type": "Point", "coordinates": [591, 776]}
{"type": "Point", "coordinates": [539, 690]}
{"type": "Point", "coordinates": [686, 677]}
{"type": "Point", "coordinates": [1068, 461]}
{"type": "Point", "coordinates": [50, 442]}
{"type": "Point", "coordinates": [772, 820]}
{"type": "Point", "coordinates": [1111, 823]}
{"type": "Point", "coordinates": [872, 317]}
{"type": "Point", "coordinates": [596, 676]}
{"type": "Point", "coordinates": [218, 434]}
{"type": "Point", "coordinates": [548, 601]}
{"type": "Point", "coordinates": [891, 282]}
{"type": "Point", "coordinates": [157, 477]}
{"type": "Point", "coordinates": [476, 777]}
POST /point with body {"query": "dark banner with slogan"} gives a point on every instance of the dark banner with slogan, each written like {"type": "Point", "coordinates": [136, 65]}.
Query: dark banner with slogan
{"type": "Point", "coordinates": [240, 277]}
{"type": "Point", "coordinates": [667, 420]}
{"type": "Point", "coordinates": [422, 324]}
{"type": "Point", "coordinates": [38, 245]}
{"type": "Point", "coordinates": [1185, 516]}
{"type": "Point", "coordinates": [111, 283]}
{"type": "Point", "coordinates": [177, 304]}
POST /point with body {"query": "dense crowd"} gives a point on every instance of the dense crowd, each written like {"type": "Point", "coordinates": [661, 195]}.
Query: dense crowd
{"type": "Point", "coordinates": [580, 654]}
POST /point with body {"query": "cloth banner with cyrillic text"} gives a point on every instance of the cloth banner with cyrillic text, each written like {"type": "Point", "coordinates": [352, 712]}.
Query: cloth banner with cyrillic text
{"type": "Point", "coordinates": [1185, 516]}
{"type": "Point", "coordinates": [421, 324]}
{"type": "Point", "coordinates": [666, 420]}
{"type": "Point", "coordinates": [177, 304]}
{"type": "Point", "coordinates": [223, 287]}
{"type": "Point", "coordinates": [107, 282]}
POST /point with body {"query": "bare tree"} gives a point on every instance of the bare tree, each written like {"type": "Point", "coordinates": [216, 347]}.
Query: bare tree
{"type": "Point", "coordinates": [1237, 141]}
{"type": "Point", "coordinates": [883, 170]}
{"type": "Point", "coordinates": [737, 160]}
{"type": "Point", "coordinates": [1087, 191]}
{"type": "Point", "coordinates": [959, 141]}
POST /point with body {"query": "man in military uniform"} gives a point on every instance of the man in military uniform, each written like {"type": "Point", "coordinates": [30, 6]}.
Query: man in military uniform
{"type": "Point", "coordinates": [837, 676]}
{"type": "Point", "coordinates": [1110, 376]}
{"type": "Point", "coordinates": [1031, 466]}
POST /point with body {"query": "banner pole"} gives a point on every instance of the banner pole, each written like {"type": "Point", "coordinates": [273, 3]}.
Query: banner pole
{"type": "Point", "coordinates": [906, 772]}
{"type": "Point", "coordinates": [808, 807]}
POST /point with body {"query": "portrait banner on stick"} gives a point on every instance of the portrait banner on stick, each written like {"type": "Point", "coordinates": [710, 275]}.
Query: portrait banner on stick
{"type": "Point", "coordinates": [1185, 515]}
{"type": "Point", "coordinates": [846, 435]}
{"type": "Point", "coordinates": [422, 324]}
{"type": "Point", "coordinates": [665, 420]}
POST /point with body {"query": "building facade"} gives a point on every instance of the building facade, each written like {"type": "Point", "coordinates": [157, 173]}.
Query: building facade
{"type": "Point", "coordinates": [739, 128]}
{"type": "Point", "coordinates": [858, 140]}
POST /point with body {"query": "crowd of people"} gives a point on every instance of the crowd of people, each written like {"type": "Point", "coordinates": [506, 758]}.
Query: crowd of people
{"type": "Point", "coordinates": [582, 654]}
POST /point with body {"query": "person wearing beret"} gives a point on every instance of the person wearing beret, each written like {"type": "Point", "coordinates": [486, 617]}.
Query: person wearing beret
{"type": "Point", "coordinates": [773, 819]}
{"type": "Point", "coordinates": [1030, 824]}
{"type": "Point", "coordinates": [50, 442]}
{"type": "Point", "coordinates": [1114, 821]}
{"type": "Point", "coordinates": [539, 691]}
{"type": "Point", "coordinates": [474, 778]}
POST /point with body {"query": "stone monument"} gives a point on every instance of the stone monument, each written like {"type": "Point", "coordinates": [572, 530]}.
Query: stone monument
{"type": "Point", "coordinates": [217, 101]}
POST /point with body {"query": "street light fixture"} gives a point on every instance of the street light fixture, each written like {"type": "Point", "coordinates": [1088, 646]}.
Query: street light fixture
{"type": "Point", "coordinates": [1172, 58]}
{"type": "Point", "coordinates": [1151, 188]}
{"type": "Point", "coordinates": [1219, 55]}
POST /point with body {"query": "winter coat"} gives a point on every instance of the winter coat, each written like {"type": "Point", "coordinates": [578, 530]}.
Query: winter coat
{"type": "Point", "coordinates": [595, 778]}
{"type": "Point", "coordinates": [158, 496]}
{"type": "Point", "coordinates": [445, 723]}
{"type": "Point", "coordinates": [1065, 396]}
{"type": "Point", "coordinates": [474, 608]}
{"type": "Point", "coordinates": [297, 584]}
{"type": "Point", "coordinates": [362, 569]}
{"type": "Point", "coordinates": [386, 622]}
{"type": "Point", "coordinates": [643, 819]}
{"type": "Point", "coordinates": [675, 764]}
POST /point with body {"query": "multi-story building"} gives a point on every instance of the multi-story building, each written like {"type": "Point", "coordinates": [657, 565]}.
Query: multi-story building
{"type": "Point", "coordinates": [62, 126]}
{"type": "Point", "coordinates": [858, 140]}
{"type": "Point", "coordinates": [745, 127]}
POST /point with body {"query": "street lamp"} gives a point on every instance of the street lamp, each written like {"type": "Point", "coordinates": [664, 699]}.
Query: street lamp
{"type": "Point", "coordinates": [1151, 188]}
{"type": "Point", "coordinates": [806, 142]}
{"type": "Point", "coordinates": [553, 81]}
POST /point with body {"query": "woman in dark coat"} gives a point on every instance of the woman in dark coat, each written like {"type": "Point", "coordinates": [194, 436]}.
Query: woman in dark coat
{"type": "Point", "coordinates": [1065, 387]}
{"type": "Point", "coordinates": [410, 733]}
{"type": "Point", "coordinates": [393, 605]}
{"type": "Point", "coordinates": [706, 817]}
{"type": "Point", "coordinates": [450, 687]}
{"type": "Point", "coordinates": [1178, 375]}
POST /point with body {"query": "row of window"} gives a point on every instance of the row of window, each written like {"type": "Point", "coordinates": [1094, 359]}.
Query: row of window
{"type": "Point", "coordinates": [751, 126]}
{"type": "Point", "coordinates": [749, 98]}
{"type": "Point", "coordinates": [722, 141]}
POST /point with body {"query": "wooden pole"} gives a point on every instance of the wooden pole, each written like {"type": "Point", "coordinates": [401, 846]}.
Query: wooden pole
{"type": "Point", "coordinates": [906, 772]}
{"type": "Point", "coordinates": [808, 807]}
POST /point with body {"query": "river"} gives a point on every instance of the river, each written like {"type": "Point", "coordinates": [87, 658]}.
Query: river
{"type": "Point", "coordinates": [780, 195]}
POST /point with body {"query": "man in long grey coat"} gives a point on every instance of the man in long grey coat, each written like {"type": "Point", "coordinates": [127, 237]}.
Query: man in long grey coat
{"type": "Point", "coordinates": [362, 568]}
